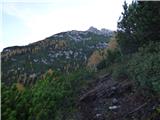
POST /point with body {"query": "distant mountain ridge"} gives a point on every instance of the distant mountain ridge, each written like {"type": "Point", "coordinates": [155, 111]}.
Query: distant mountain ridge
{"type": "Point", "coordinates": [73, 34]}
{"type": "Point", "coordinates": [64, 52]}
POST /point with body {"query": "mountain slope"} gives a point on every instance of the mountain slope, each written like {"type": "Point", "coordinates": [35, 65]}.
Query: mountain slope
{"type": "Point", "coordinates": [63, 52]}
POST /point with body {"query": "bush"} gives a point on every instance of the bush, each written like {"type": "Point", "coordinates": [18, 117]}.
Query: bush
{"type": "Point", "coordinates": [120, 71]}
{"type": "Point", "coordinates": [15, 104]}
{"type": "Point", "coordinates": [144, 67]}
{"type": "Point", "coordinates": [113, 56]}
{"type": "Point", "coordinates": [50, 98]}
{"type": "Point", "coordinates": [101, 65]}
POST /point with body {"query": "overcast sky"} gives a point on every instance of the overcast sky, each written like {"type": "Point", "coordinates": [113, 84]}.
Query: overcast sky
{"type": "Point", "coordinates": [27, 21]}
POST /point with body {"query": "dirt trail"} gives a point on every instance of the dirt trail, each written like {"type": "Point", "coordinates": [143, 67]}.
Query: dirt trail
{"type": "Point", "coordinates": [107, 99]}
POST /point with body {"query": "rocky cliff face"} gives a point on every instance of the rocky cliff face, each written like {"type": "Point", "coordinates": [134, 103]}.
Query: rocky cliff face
{"type": "Point", "coordinates": [63, 52]}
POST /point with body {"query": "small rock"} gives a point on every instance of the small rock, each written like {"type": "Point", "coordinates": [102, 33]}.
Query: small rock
{"type": "Point", "coordinates": [114, 101]}
{"type": "Point", "coordinates": [98, 115]}
{"type": "Point", "coordinates": [114, 107]}
{"type": "Point", "coordinates": [113, 88]}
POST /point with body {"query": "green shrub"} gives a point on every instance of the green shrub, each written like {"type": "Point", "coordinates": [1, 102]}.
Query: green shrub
{"type": "Point", "coordinates": [144, 67]}
{"type": "Point", "coordinates": [101, 65]}
{"type": "Point", "coordinates": [15, 104]}
{"type": "Point", "coordinates": [50, 98]}
{"type": "Point", "coordinates": [120, 71]}
{"type": "Point", "coordinates": [113, 56]}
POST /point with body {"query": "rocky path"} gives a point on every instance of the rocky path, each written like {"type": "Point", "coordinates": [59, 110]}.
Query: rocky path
{"type": "Point", "coordinates": [107, 99]}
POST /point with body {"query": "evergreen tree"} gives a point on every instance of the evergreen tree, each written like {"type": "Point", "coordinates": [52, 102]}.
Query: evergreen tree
{"type": "Point", "coordinates": [139, 24]}
{"type": "Point", "coordinates": [126, 29]}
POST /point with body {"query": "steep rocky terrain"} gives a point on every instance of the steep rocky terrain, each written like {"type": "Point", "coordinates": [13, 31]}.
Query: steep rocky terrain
{"type": "Point", "coordinates": [64, 52]}
{"type": "Point", "coordinates": [107, 99]}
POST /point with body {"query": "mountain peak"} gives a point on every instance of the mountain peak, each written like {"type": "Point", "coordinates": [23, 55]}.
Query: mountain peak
{"type": "Point", "coordinates": [103, 31]}
{"type": "Point", "coordinates": [92, 29]}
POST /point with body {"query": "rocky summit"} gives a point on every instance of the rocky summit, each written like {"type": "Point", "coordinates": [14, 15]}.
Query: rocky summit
{"type": "Point", "coordinates": [103, 31]}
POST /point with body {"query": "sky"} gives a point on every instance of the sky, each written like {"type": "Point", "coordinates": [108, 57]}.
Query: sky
{"type": "Point", "coordinates": [26, 21]}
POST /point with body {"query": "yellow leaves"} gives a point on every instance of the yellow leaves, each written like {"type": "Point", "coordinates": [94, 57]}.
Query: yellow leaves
{"type": "Point", "coordinates": [56, 43]}
{"type": "Point", "coordinates": [50, 72]}
{"type": "Point", "coordinates": [66, 67]}
{"type": "Point", "coordinates": [20, 87]}
{"type": "Point", "coordinates": [18, 51]}
{"type": "Point", "coordinates": [95, 58]}
{"type": "Point", "coordinates": [52, 42]}
{"type": "Point", "coordinates": [60, 44]}
{"type": "Point", "coordinates": [35, 49]}
{"type": "Point", "coordinates": [98, 56]}
{"type": "Point", "coordinates": [112, 44]}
